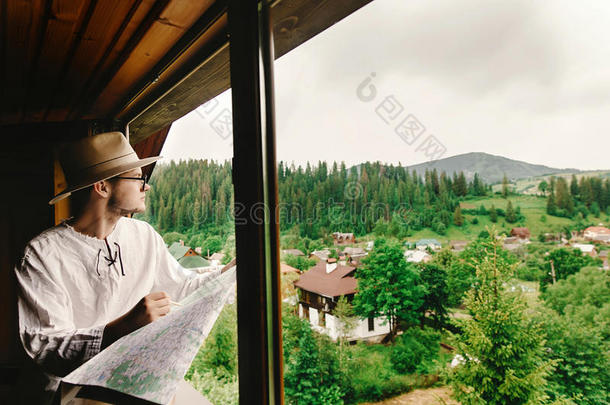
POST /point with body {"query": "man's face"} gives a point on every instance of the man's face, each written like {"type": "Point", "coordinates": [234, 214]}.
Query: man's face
{"type": "Point", "coordinates": [127, 196]}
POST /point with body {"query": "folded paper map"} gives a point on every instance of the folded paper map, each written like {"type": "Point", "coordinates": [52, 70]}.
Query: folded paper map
{"type": "Point", "coordinates": [150, 362]}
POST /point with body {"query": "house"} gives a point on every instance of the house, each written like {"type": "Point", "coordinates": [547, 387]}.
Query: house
{"type": "Point", "coordinates": [417, 256]}
{"type": "Point", "coordinates": [423, 244]}
{"type": "Point", "coordinates": [597, 234]}
{"type": "Point", "coordinates": [521, 233]}
{"type": "Point", "coordinates": [285, 269]}
{"type": "Point", "coordinates": [319, 290]}
{"type": "Point", "coordinates": [178, 250]}
{"type": "Point", "coordinates": [586, 248]}
{"type": "Point", "coordinates": [340, 238]}
{"type": "Point", "coordinates": [318, 255]}
{"type": "Point", "coordinates": [216, 258]}
{"type": "Point", "coordinates": [193, 262]}
{"type": "Point", "coordinates": [354, 252]}
{"type": "Point", "coordinates": [293, 252]}
{"type": "Point", "coordinates": [458, 245]}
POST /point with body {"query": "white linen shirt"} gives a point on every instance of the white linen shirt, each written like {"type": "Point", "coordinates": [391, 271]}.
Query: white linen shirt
{"type": "Point", "coordinates": [69, 292]}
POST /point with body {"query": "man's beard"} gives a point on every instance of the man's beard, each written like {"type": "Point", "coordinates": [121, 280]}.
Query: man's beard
{"type": "Point", "coordinates": [113, 205]}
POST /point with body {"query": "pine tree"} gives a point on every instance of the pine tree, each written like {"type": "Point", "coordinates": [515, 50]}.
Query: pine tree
{"type": "Point", "coordinates": [302, 376]}
{"type": "Point", "coordinates": [502, 348]}
{"type": "Point", "coordinates": [574, 186]}
{"type": "Point", "coordinates": [493, 214]}
{"type": "Point", "coordinates": [458, 219]}
{"type": "Point", "coordinates": [505, 186]}
{"type": "Point", "coordinates": [511, 217]}
{"type": "Point", "coordinates": [551, 206]}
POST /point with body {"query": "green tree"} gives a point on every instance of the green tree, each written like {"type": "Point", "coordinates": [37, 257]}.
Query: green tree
{"type": "Point", "coordinates": [543, 186]}
{"type": "Point", "coordinates": [505, 186]}
{"type": "Point", "coordinates": [434, 278]}
{"type": "Point", "coordinates": [302, 375]}
{"type": "Point", "coordinates": [501, 346]}
{"type": "Point", "coordinates": [589, 286]}
{"type": "Point", "coordinates": [347, 321]}
{"type": "Point", "coordinates": [388, 286]}
{"type": "Point", "coordinates": [171, 237]}
{"type": "Point", "coordinates": [493, 214]}
{"type": "Point", "coordinates": [564, 262]}
{"type": "Point", "coordinates": [511, 216]}
{"type": "Point", "coordinates": [458, 219]}
{"type": "Point", "coordinates": [212, 244]}
{"type": "Point", "coordinates": [583, 360]}
{"type": "Point", "coordinates": [551, 205]}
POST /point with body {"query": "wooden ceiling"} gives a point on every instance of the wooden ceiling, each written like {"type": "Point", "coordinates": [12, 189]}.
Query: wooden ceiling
{"type": "Point", "coordinates": [140, 61]}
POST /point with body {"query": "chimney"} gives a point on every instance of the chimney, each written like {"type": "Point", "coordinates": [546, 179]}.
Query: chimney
{"type": "Point", "coordinates": [181, 242]}
{"type": "Point", "coordinates": [331, 264]}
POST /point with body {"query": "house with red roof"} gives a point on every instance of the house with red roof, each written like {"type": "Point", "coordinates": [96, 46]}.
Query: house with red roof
{"type": "Point", "coordinates": [319, 291]}
{"type": "Point", "coordinates": [597, 234]}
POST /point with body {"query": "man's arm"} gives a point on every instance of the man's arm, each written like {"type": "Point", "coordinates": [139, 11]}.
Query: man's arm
{"type": "Point", "coordinates": [171, 276]}
{"type": "Point", "coordinates": [46, 326]}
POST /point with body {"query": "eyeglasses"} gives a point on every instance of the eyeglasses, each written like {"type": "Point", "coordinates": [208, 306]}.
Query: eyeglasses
{"type": "Point", "coordinates": [143, 179]}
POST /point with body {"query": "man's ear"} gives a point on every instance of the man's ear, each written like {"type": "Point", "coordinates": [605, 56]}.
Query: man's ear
{"type": "Point", "coordinates": [102, 188]}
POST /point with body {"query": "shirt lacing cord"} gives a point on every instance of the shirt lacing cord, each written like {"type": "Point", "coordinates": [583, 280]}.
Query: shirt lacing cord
{"type": "Point", "coordinates": [110, 260]}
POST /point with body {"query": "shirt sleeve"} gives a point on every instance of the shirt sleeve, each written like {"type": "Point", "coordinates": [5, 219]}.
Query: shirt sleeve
{"type": "Point", "coordinates": [171, 277]}
{"type": "Point", "coordinates": [46, 326]}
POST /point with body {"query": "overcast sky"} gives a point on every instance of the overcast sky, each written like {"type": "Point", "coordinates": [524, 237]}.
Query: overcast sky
{"type": "Point", "coordinates": [528, 80]}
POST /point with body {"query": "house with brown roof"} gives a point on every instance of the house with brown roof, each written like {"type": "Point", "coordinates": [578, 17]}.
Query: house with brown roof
{"type": "Point", "coordinates": [522, 234]}
{"type": "Point", "coordinates": [341, 238]}
{"type": "Point", "coordinates": [319, 290]}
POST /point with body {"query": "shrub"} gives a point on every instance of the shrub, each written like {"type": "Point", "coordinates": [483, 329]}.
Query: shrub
{"type": "Point", "coordinates": [415, 350]}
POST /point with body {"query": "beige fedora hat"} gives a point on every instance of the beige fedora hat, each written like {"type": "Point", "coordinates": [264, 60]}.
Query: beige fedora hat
{"type": "Point", "coordinates": [97, 158]}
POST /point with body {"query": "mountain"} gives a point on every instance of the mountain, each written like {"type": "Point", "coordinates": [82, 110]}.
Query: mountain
{"type": "Point", "coordinates": [491, 168]}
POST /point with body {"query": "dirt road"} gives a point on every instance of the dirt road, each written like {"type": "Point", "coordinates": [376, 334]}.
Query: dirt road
{"type": "Point", "coordinates": [429, 396]}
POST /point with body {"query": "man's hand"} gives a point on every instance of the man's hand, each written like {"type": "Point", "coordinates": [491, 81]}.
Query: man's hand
{"type": "Point", "coordinates": [147, 310]}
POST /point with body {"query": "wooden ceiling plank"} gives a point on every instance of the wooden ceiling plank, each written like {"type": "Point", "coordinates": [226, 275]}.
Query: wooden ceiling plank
{"type": "Point", "coordinates": [198, 29]}
{"type": "Point", "coordinates": [103, 59]}
{"type": "Point", "coordinates": [101, 29]}
{"type": "Point", "coordinates": [91, 95]}
{"type": "Point", "coordinates": [76, 41]}
{"type": "Point", "coordinates": [173, 24]}
{"type": "Point", "coordinates": [63, 22]}
{"type": "Point", "coordinates": [32, 67]}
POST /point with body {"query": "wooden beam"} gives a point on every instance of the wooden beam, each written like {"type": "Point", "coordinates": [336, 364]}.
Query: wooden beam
{"type": "Point", "coordinates": [256, 196]}
{"type": "Point", "coordinates": [294, 22]}
{"type": "Point", "coordinates": [199, 28]}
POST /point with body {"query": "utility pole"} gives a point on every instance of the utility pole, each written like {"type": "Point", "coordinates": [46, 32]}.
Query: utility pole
{"type": "Point", "coordinates": [553, 271]}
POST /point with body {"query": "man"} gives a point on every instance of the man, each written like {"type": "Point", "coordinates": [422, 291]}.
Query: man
{"type": "Point", "coordinates": [99, 275]}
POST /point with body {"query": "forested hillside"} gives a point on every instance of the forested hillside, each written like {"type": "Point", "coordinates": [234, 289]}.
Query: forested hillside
{"type": "Point", "coordinates": [196, 196]}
